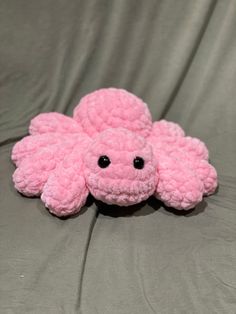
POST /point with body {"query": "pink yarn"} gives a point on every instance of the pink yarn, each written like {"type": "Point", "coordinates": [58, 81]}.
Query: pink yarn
{"type": "Point", "coordinates": [111, 149]}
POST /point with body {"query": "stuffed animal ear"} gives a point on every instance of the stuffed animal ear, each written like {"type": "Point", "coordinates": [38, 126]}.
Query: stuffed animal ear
{"type": "Point", "coordinates": [53, 122]}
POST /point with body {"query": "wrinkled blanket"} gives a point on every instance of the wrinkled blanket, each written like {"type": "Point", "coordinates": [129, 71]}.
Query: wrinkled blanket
{"type": "Point", "coordinates": [180, 57]}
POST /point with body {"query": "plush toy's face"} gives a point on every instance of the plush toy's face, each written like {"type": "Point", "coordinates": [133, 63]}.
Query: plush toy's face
{"type": "Point", "coordinates": [120, 168]}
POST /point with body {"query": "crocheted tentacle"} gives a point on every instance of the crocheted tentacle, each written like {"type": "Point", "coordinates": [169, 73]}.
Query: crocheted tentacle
{"type": "Point", "coordinates": [53, 122]}
{"type": "Point", "coordinates": [178, 186]}
{"type": "Point", "coordinates": [65, 191]}
{"type": "Point", "coordinates": [166, 128]}
{"type": "Point", "coordinates": [37, 156]}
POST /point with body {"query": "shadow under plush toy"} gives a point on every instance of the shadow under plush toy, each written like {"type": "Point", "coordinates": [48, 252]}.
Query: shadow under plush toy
{"type": "Point", "coordinates": [111, 149]}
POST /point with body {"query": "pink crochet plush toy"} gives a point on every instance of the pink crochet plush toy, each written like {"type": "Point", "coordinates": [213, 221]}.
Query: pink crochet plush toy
{"type": "Point", "coordinates": [113, 150]}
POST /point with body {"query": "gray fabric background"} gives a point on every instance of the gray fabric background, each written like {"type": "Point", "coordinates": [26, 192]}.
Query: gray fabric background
{"type": "Point", "coordinates": [180, 57]}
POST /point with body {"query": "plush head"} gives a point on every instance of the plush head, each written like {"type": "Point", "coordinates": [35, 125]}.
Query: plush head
{"type": "Point", "coordinates": [120, 167]}
{"type": "Point", "coordinates": [113, 150]}
{"type": "Point", "coordinates": [113, 108]}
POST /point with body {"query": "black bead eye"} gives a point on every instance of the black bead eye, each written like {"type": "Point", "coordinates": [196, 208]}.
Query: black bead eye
{"type": "Point", "coordinates": [103, 161]}
{"type": "Point", "coordinates": [138, 163]}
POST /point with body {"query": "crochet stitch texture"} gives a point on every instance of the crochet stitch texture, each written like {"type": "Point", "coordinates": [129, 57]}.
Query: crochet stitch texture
{"type": "Point", "coordinates": [111, 149]}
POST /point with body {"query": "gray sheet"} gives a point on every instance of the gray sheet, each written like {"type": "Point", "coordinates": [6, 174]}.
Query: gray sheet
{"type": "Point", "coordinates": [180, 57]}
